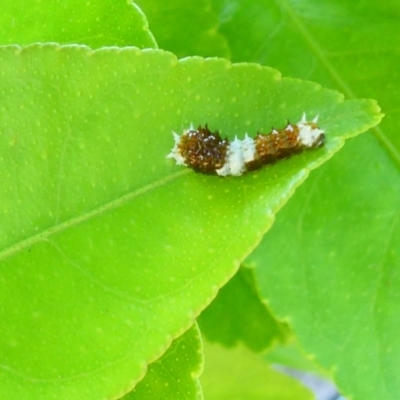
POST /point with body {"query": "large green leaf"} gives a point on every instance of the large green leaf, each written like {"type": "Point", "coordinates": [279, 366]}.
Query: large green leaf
{"type": "Point", "coordinates": [94, 23]}
{"type": "Point", "coordinates": [108, 250]}
{"type": "Point", "coordinates": [331, 263]}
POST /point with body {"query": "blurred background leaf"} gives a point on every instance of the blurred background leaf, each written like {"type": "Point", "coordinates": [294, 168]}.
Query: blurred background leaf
{"type": "Point", "coordinates": [187, 28]}
{"type": "Point", "coordinates": [238, 374]}
{"type": "Point", "coordinates": [238, 314]}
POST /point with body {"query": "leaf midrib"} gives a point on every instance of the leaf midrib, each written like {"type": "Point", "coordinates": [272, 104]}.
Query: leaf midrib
{"type": "Point", "coordinates": [43, 235]}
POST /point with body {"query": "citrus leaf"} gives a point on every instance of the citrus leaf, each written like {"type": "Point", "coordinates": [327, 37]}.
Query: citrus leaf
{"type": "Point", "coordinates": [186, 28]}
{"type": "Point", "coordinates": [108, 250]}
{"type": "Point", "coordinates": [96, 24]}
{"type": "Point", "coordinates": [238, 374]}
{"type": "Point", "coordinates": [238, 314]}
{"type": "Point", "coordinates": [174, 375]}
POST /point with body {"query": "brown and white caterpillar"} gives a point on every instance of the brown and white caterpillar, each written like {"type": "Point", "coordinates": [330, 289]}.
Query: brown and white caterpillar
{"type": "Point", "coordinates": [206, 152]}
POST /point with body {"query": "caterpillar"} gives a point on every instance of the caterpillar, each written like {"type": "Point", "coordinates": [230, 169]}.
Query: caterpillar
{"type": "Point", "coordinates": [205, 151]}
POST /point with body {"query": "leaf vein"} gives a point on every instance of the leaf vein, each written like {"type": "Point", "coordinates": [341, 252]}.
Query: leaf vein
{"type": "Point", "coordinates": [44, 235]}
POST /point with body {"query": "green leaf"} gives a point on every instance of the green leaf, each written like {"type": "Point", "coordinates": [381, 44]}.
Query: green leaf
{"type": "Point", "coordinates": [238, 374]}
{"type": "Point", "coordinates": [108, 250]}
{"type": "Point", "coordinates": [93, 23]}
{"type": "Point", "coordinates": [343, 223]}
{"type": "Point", "coordinates": [238, 314]}
{"type": "Point", "coordinates": [186, 28]}
{"type": "Point", "coordinates": [174, 375]}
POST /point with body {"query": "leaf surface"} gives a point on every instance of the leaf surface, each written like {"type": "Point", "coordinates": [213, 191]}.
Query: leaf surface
{"type": "Point", "coordinates": [108, 250]}
{"type": "Point", "coordinates": [93, 23]}
{"type": "Point", "coordinates": [186, 28]}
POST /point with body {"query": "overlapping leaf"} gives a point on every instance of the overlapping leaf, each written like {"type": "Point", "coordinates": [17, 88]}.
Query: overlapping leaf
{"type": "Point", "coordinates": [187, 28]}
{"type": "Point", "coordinates": [175, 374]}
{"type": "Point", "coordinates": [96, 24]}
{"type": "Point", "coordinates": [238, 314]}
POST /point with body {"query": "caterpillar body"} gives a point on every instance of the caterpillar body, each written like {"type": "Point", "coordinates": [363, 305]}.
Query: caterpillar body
{"type": "Point", "coordinates": [205, 151]}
